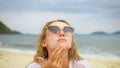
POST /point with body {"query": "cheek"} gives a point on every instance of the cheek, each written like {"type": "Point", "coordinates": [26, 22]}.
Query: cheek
{"type": "Point", "coordinates": [51, 41]}
{"type": "Point", "coordinates": [69, 42]}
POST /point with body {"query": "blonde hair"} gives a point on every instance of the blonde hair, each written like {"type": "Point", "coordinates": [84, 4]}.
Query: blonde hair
{"type": "Point", "coordinates": [43, 52]}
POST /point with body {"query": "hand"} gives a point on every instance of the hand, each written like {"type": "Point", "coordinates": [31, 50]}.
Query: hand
{"type": "Point", "coordinates": [56, 59]}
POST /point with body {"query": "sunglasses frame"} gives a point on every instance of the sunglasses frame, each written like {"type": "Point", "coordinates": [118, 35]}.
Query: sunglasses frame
{"type": "Point", "coordinates": [58, 31]}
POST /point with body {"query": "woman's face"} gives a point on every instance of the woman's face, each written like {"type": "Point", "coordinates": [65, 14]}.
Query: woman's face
{"type": "Point", "coordinates": [59, 39]}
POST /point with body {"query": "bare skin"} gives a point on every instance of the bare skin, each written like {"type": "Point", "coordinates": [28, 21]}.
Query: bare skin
{"type": "Point", "coordinates": [57, 48]}
{"type": "Point", "coordinates": [58, 59]}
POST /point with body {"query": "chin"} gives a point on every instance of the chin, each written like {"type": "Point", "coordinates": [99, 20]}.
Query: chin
{"type": "Point", "coordinates": [64, 45]}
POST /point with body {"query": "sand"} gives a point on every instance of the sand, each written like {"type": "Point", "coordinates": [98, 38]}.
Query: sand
{"type": "Point", "coordinates": [14, 59]}
{"type": "Point", "coordinates": [9, 59]}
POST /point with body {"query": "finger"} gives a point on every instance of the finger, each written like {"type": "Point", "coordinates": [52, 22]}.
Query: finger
{"type": "Point", "coordinates": [57, 62]}
{"type": "Point", "coordinates": [56, 53]}
{"type": "Point", "coordinates": [63, 57]}
{"type": "Point", "coordinates": [52, 58]}
{"type": "Point", "coordinates": [41, 60]}
{"type": "Point", "coordinates": [60, 58]}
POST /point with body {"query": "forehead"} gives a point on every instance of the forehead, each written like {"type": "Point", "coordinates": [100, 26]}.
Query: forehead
{"type": "Point", "coordinates": [60, 24]}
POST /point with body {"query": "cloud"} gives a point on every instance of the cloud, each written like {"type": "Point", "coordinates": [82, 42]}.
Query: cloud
{"type": "Point", "coordinates": [34, 14]}
{"type": "Point", "coordinates": [32, 22]}
{"type": "Point", "coordinates": [104, 8]}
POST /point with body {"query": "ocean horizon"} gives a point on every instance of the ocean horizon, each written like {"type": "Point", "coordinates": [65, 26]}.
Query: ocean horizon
{"type": "Point", "coordinates": [94, 46]}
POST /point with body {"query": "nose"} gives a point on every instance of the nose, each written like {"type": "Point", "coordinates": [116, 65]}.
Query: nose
{"type": "Point", "coordinates": [61, 33]}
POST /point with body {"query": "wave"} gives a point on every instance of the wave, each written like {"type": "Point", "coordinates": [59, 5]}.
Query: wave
{"type": "Point", "coordinates": [18, 50]}
{"type": "Point", "coordinates": [84, 50]}
{"type": "Point", "coordinates": [1, 43]}
{"type": "Point", "coordinates": [100, 56]}
{"type": "Point", "coordinates": [18, 46]}
{"type": "Point", "coordinates": [94, 55]}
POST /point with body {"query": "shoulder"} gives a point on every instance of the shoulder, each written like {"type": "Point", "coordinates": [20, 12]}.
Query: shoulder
{"type": "Point", "coordinates": [82, 64]}
{"type": "Point", "coordinates": [33, 65]}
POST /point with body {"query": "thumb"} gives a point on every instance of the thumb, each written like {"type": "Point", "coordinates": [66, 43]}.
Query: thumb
{"type": "Point", "coordinates": [41, 60]}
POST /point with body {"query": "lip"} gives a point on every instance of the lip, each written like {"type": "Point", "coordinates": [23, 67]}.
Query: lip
{"type": "Point", "coordinates": [61, 40]}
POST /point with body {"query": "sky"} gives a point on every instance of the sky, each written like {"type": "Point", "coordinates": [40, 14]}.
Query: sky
{"type": "Point", "coordinates": [86, 16]}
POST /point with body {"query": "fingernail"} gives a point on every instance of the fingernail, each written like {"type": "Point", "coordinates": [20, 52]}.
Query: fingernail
{"type": "Point", "coordinates": [57, 48]}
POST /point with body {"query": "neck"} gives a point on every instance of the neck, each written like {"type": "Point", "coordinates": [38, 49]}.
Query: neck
{"type": "Point", "coordinates": [65, 62]}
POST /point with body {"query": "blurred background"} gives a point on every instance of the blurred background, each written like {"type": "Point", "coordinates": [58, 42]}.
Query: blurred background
{"type": "Point", "coordinates": [96, 24]}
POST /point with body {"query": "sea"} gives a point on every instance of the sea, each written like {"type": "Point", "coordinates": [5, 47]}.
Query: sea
{"type": "Point", "coordinates": [93, 46]}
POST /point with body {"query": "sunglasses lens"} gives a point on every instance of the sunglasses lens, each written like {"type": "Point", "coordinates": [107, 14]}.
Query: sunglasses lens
{"type": "Point", "coordinates": [53, 29]}
{"type": "Point", "coordinates": [68, 30]}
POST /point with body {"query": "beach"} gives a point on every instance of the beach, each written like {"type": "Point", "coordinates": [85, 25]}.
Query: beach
{"type": "Point", "coordinates": [11, 59]}
{"type": "Point", "coordinates": [101, 51]}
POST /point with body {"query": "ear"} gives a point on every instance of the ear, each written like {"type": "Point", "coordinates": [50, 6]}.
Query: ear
{"type": "Point", "coordinates": [44, 43]}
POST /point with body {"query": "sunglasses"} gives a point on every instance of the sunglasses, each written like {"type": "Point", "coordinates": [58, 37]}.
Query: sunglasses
{"type": "Point", "coordinates": [56, 29]}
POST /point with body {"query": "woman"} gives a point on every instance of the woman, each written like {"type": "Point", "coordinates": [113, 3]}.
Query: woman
{"type": "Point", "coordinates": [57, 48]}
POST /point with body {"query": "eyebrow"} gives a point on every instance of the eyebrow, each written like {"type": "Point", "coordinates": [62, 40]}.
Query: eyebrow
{"type": "Point", "coordinates": [63, 27]}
